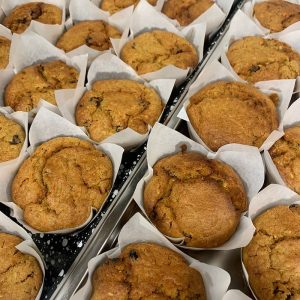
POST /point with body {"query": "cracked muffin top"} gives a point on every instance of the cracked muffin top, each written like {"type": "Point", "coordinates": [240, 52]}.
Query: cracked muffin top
{"type": "Point", "coordinates": [186, 11]}
{"type": "Point", "coordinates": [12, 137]}
{"type": "Point", "coordinates": [37, 82]}
{"type": "Point", "coordinates": [151, 51]}
{"type": "Point", "coordinates": [276, 15]}
{"type": "Point", "coordinates": [147, 271]}
{"type": "Point", "coordinates": [58, 185]}
{"type": "Point", "coordinates": [232, 112]}
{"type": "Point", "coordinates": [113, 105]}
{"type": "Point", "coordinates": [20, 274]}
{"type": "Point", "coordinates": [94, 34]}
{"type": "Point", "coordinates": [285, 154]}
{"type": "Point", "coordinates": [272, 257]}
{"type": "Point", "coordinates": [198, 199]}
{"type": "Point", "coordinates": [257, 59]}
{"type": "Point", "coordinates": [21, 16]}
{"type": "Point", "coordinates": [113, 6]}
{"type": "Point", "coordinates": [4, 51]}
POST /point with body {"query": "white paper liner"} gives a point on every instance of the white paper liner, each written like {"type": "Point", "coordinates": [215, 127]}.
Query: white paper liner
{"type": "Point", "coordinates": [235, 295]}
{"type": "Point", "coordinates": [245, 160]}
{"type": "Point", "coordinates": [138, 230]}
{"type": "Point", "coordinates": [27, 246]}
{"type": "Point", "coordinates": [48, 125]}
{"type": "Point", "coordinates": [49, 31]}
{"type": "Point", "coordinates": [109, 66]}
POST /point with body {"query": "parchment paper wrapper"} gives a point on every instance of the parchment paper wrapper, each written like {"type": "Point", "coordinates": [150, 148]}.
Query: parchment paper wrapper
{"type": "Point", "coordinates": [27, 246]}
{"type": "Point", "coordinates": [216, 72]}
{"type": "Point", "coordinates": [138, 230]}
{"type": "Point", "coordinates": [245, 160]}
{"type": "Point", "coordinates": [109, 66]}
{"type": "Point", "coordinates": [235, 295]}
{"type": "Point", "coordinates": [49, 31]}
{"type": "Point", "coordinates": [48, 125]}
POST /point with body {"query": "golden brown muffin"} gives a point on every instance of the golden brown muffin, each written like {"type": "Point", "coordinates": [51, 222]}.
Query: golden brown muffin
{"type": "Point", "coordinates": [12, 136]}
{"type": "Point", "coordinates": [20, 274]}
{"type": "Point", "coordinates": [196, 198]}
{"type": "Point", "coordinates": [232, 112]}
{"type": "Point", "coordinates": [272, 257]}
{"type": "Point", "coordinates": [60, 182]}
{"type": "Point", "coordinates": [147, 271]}
{"type": "Point", "coordinates": [285, 154]}
{"type": "Point", "coordinates": [186, 11]}
{"type": "Point", "coordinates": [256, 59]}
{"type": "Point", "coordinates": [22, 15]}
{"type": "Point", "coordinates": [113, 105]}
{"type": "Point", "coordinates": [114, 6]}
{"type": "Point", "coordinates": [95, 34]}
{"type": "Point", "coordinates": [4, 51]}
{"type": "Point", "coordinates": [151, 51]}
{"type": "Point", "coordinates": [37, 82]}
{"type": "Point", "coordinates": [277, 15]}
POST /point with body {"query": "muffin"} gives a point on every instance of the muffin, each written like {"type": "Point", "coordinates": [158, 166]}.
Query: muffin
{"type": "Point", "coordinates": [60, 182]}
{"type": "Point", "coordinates": [256, 59]}
{"type": "Point", "coordinates": [113, 6]}
{"type": "Point", "coordinates": [196, 198]}
{"type": "Point", "coordinates": [113, 105]}
{"type": "Point", "coordinates": [12, 137]}
{"type": "Point", "coordinates": [21, 16]}
{"type": "Point", "coordinates": [232, 112]}
{"type": "Point", "coordinates": [151, 51]}
{"type": "Point", "coordinates": [147, 271]}
{"type": "Point", "coordinates": [186, 11]}
{"type": "Point", "coordinates": [95, 34]}
{"type": "Point", "coordinates": [4, 51]}
{"type": "Point", "coordinates": [277, 15]}
{"type": "Point", "coordinates": [37, 82]}
{"type": "Point", "coordinates": [20, 274]}
{"type": "Point", "coordinates": [272, 257]}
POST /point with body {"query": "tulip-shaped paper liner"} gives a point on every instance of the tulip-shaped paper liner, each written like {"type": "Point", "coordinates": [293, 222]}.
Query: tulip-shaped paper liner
{"type": "Point", "coordinates": [27, 246]}
{"type": "Point", "coordinates": [49, 31]}
{"type": "Point", "coordinates": [139, 230]}
{"type": "Point", "coordinates": [109, 66]}
{"type": "Point", "coordinates": [245, 160]}
{"type": "Point", "coordinates": [48, 125]}
{"type": "Point", "coordinates": [235, 295]}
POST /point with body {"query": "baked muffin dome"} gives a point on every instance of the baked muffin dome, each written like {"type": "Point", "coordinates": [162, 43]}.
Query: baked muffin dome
{"type": "Point", "coordinates": [4, 51]}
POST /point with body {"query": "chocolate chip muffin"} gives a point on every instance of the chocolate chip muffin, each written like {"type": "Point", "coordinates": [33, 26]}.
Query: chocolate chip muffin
{"type": "Point", "coordinates": [147, 271]}
{"type": "Point", "coordinates": [151, 51]}
{"type": "Point", "coordinates": [256, 59]}
{"type": "Point", "coordinates": [196, 198]}
{"type": "Point", "coordinates": [113, 105]}
{"type": "Point", "coordinates": [95, 34]}
{"type": "Point", "coordinates": [232, 112]}
{"type": "Point", "coordinates": [272, 257]}
{"type": "Point", "coordinates": [37, 82]}
{"type": "Point", "coordinates": [22, 15]}
{"type": "Point", "coordinates": [60, 182]}
{"type": "Point", "coordinates": [20, 274]}
{"type": "Point", "coordinates": [276, 15]}
{"type": "Point", "coordinates": [4, 51]}
{"type": "Point", "coordinates": [186, 11]}
{"type": "Point", "coordinates": [12, 136]}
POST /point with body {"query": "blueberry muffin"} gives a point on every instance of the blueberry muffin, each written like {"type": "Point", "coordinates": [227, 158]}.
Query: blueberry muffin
{"type": "Point", "coordinates": [4, 51]}
{"type": "Point", "coordinates": [113, 6]}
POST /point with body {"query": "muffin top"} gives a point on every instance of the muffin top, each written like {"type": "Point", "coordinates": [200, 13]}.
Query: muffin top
{"type": "Point", "coordinates": [232, 112]}
{"type": "Point", "coordinates": [277, 15]}
{"type": "Point", "coordinates": [20, 274]}
{"type": "Point", "coordinates": [196, 198]}
{"type": "Point", "coordinates": [147, 271]}
{"type": "Point", "coordinates": [186, 11]}
{"type": "Point", "coordinates": [4, 51]}
{"type": "Point", "coordinates": [94, 34]}
{"type": "Point", "coordinates": [272, 257]}
{"type": "Point", "coordinates": [256, 59]}
{"type": "Point", "coordinates": [60, 182]}
{"type": "Point", "coordinates": [37, 82]}
{"type": "Point", "coordinates": [12, 136]}
{"type": "Point", "coordinates": [22, 15]}
{"type": "Point", "coordinates": [151, 51]}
